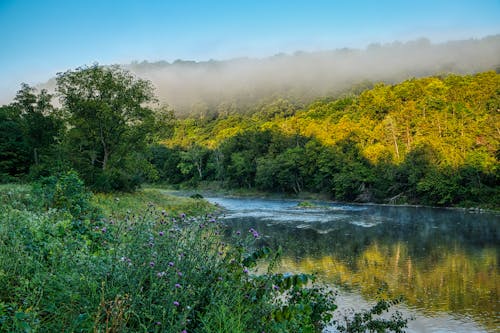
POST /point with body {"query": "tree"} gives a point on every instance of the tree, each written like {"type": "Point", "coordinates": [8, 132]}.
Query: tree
{"type": "Point", "coordinates": [14, 150]}
{"type": "Point", "coordinates": [29, 128]}
{"type": "Point", "coordinates": [109, 119]}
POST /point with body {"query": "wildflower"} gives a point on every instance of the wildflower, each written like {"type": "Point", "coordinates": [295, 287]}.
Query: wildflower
{"type": "Point", "coordinates": [176, 303]}
{"type": "Point", "coordinates": [245, 270]}
{"type": "Point", "coordinates": [184, 331]}
{"type": "Point", "coordinates": [177, 285]}
{"type": "Point", "coordinates": [152, 263]}
{"type": "Point", "coordinates": [171, 264]}
{"type": "Point", "coordinates": [103, 230]}
{"type": "Point", "coordinates": [212, 220]}
{"type": "Point", "coordinates": [183, 216]}
{"type": "Point", "coordinates": [220, 278]}
{"type": "Point", "coordinates": [161, 274]}
{"type": "Point", "coordinates": [158, 323]}
{"type": "Point", "coordinates": [161, 233]}
{"type": "Point", "coordinates": [179, 273]}
{"type": "Point", "coordinates": [275, 287]}
{"type": "Point", "coordinates": [255, 234]}
{"type": "Point", "coordinates": [251, 230]}
{"type": "Point", "coordinates": [238, 232]}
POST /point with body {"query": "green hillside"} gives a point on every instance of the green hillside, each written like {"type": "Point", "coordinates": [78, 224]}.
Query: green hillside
{"type": "Point", "coordinates": [433, 141]}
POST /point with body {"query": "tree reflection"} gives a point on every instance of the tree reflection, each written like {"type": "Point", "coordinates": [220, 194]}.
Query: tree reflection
{"type": "Point", "coordinates": [439, 260]}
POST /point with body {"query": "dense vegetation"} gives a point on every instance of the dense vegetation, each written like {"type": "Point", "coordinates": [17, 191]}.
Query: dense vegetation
{"type": "Point", "coordinates": [78, 262]}
{"type": "Point", "coordinates": [67, 266]}
{"type": "Point", "coordinates": [71, 260]}
{"type": "Point", "coordinates": [431, 141]}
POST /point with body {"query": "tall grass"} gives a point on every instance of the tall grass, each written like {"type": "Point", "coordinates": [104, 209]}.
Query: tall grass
{"type": "Point", "coordinates": [125, 263]}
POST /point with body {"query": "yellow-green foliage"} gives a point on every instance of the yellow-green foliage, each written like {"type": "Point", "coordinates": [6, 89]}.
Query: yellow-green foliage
{"type": "Point", "coordinates": [456, 115]}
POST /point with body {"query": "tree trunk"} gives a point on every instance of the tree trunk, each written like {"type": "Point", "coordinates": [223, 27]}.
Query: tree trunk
{"type": "Point", "coordinates": [105, 158]}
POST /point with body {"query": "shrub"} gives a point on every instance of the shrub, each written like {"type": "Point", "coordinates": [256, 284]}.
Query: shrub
{"type": "Point", "coordinates": [150, 271]}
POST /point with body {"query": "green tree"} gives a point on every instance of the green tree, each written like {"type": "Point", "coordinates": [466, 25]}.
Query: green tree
{"type": "Point", "coordinates": [109, 117]}
{"type": "Point", "coordinates": [14, 149]}
{"type": "Point", "coordinates": [29, 130]}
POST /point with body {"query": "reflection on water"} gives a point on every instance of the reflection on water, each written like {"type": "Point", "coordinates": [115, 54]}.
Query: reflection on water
{"type": "Point", "coordinates": [444, 262]}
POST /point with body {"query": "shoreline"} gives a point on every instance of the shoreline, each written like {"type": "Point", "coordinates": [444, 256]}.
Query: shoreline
{"type": "Point", "coordinates": [304, 196]}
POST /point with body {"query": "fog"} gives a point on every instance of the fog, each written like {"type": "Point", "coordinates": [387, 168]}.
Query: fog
{"type": "Point", "coordinates": [188, 85]}
{"type": "Point", "coordinates": [192, 87]}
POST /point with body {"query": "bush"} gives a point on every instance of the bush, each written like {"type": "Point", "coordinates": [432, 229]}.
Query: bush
{"type": "Point", "coordinates": [153, 271]}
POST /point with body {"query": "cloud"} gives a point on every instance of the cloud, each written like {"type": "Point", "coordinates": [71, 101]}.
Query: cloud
{"type": "Point", "coordinates": [305, 76]}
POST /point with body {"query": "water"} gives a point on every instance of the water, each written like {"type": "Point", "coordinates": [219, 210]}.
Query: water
{"type": "Point", "coordinates": [445, 263]}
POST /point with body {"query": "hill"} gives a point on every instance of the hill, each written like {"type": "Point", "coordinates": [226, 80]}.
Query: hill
{"type": "Point", "coordinates": [433, 140]}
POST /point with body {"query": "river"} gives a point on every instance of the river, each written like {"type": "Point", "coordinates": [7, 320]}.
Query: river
{"type": "Point", "coordinates": [444, 262]}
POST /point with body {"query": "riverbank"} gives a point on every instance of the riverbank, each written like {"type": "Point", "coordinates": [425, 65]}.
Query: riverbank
{"type": "Point", "coordinates": [207, 189]}
{"type": "Point", "coordinates": [121, 262]}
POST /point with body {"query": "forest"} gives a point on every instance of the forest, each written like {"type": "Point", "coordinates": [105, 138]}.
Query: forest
{"type": "Point", "coordinates": [432, 140]}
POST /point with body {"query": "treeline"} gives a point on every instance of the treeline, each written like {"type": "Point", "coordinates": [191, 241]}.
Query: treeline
{"type": "Point", "coordinates": [429, 141]}
{"type": "Point", "coordinates": [102, 130]}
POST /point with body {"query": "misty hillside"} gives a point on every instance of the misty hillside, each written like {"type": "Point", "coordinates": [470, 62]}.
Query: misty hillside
{"type": "Point", "coordinates": [190, 86]}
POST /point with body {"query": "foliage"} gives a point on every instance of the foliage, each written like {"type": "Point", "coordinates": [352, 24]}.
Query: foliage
{"type": "Point", "coordinates": [149, 270]}
{"type": "Point", "coordinates": [30, 128]}
{"type": "Point", "coordinates": [367, 322]}
{"type": "Point", "coordinates": [427, 141]}
{"type": "Point", "coordinates": [109, 125]}
{"type": "Point", "coordinates": [66, 192]}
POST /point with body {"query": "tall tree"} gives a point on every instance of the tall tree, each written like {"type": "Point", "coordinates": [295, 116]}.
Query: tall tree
{"type": "Point", "coordinates": [109, 115]}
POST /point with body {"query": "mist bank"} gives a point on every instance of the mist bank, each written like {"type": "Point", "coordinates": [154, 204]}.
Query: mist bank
{"type": "Point", "coordinates": [193, 87]}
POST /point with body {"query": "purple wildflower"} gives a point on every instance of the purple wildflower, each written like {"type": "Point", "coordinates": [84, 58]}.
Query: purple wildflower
{"type": "Point", "coordinates": [275, 287]}
{"type": "Point", "coordinates": [176, 303]}
{"type": "Point", "coordinates": [158, 323]}
{"type": "Point", "coordinates": [161, 233]}
{"type": "Point", "coordinates": [245, 270]}
{"type": "Point", "coordinates": [179, 273]}
{"type": "Point", "coordinates": [177, 285]}
{"type": "Point", "coordinates": [238, 232]}
{"type": "Point", "coordinates": [183, 216]}
{"type": "Point", "coordinates": [184, 331]}
{"type": "Point", "coordinates": [152, 263]}
{"type": "Point", "coordinates": [103, 230]}
{"type": "Point", "coordinates": [171, 264]}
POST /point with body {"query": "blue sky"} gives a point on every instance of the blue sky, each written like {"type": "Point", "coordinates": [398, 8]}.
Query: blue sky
{"type": "Point", "coordinates": [40, 38]}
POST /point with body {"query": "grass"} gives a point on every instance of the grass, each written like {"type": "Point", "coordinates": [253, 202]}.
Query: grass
{"type": "Point", "coordinates": [121, 204]}
{"type": "Point", "coordinates": [71, 261]}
